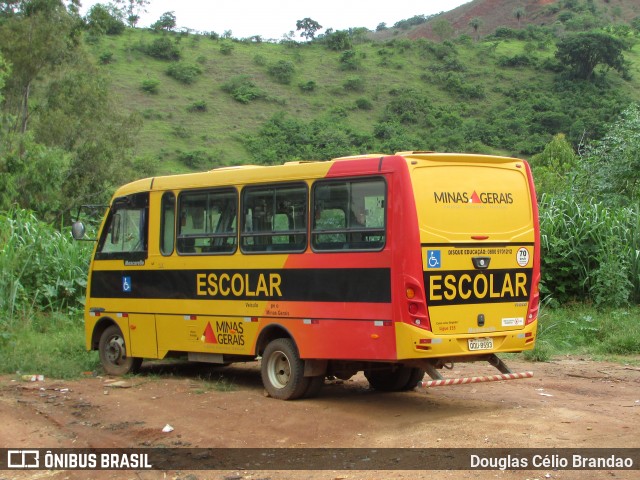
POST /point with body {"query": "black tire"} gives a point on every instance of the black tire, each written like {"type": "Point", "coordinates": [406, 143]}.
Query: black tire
{"type": "Point", "coordinates": [113, 353]}
{"type": "Point", "coordinates": [415, 377]}
{"type": "Point", "coordinates": [315, 385]}
{"type": "Point", "coordinates": [389, 379]}
{"type": "Point", "coordinates": [282, 370]}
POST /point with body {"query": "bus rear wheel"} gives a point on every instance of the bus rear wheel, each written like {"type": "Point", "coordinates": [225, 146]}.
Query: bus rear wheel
{"type": "Point", "coordinates": [113, 353]}
{"type": "Point", "coordinates": [415, 377]}
{"type": "Point", "coordinates": [282, 370]}
{"type": "Point", "coordinates": [389, 379]}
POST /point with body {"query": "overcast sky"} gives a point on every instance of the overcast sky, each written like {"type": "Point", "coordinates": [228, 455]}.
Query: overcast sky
{"type": "Point", "coordinates": [271, 19]}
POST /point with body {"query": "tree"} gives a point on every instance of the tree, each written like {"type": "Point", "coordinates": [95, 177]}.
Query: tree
{"type": "Point", "coordinates": [338, 41]}
{"type": "Point", "coordinates": [309, 28]}
{"type": "Point", "coordinates": [102, 19]}
{"type": "Point", "coordinates": [610, 168]}
{"type": "Point", "coordinates": [39, 36]}
{"type": "Point", "coordinates": [581, 53]}
{"type": "Point", "coordinates": [475, 24]}
{"type": "Point", "coordinates": [166, 22]}
{"type": "Point", "coordinates": [4, 71]}
{"type": "Point", "coordinates": [443, 29]}
{"type": "Point", "coordinates": [552, 169]}
{"type": "Point", "coordinates": [519, 14]}
{"type": "Point", "coordinates": [78, 115]}
{"type": "Point", "coordinates": [131, 9]}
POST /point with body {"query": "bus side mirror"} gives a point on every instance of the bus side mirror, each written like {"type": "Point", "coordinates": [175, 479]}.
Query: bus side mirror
{"type": "Point", "coordinates": [78, 230]}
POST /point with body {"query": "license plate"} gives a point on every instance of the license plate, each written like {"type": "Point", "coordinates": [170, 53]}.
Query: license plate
{"type": "Point", "coordinates": [480, 344]}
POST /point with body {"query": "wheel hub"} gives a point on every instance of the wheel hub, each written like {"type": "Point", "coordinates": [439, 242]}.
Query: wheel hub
{"type": "Point", "coordinates": [115, 351]}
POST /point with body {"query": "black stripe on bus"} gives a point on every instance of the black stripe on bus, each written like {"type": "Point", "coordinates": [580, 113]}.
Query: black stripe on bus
{"type": "Point", "coordinates": [366, 285]}
{"type": "Point", "coordinates": [463, 287]}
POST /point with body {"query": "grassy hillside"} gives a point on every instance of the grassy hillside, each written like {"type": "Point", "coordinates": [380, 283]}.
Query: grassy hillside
{"type": "Point", "coordinates": [492, 14]}
{"type": "Point", "coordinates": [497, 95]}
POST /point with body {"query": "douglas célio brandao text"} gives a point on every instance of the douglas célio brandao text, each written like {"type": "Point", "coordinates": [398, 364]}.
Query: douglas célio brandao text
{"type": "Point", "coordinates": [555, 461]}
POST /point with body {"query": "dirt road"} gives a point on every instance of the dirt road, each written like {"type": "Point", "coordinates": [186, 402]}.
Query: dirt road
{"type": "Point", "coordinates": [570, 402]}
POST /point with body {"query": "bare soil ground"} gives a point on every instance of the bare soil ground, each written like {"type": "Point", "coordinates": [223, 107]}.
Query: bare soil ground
{"type": "Point", "coordinates": [570, 402]}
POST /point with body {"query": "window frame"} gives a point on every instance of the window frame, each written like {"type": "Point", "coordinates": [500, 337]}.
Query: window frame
{"type": "Point", "coordinates": [349, 230]}
{"type": "Point", "coordinates": [174, 236]}
{"type": "Point", "coordinates": [138, 202]}
{"type": "Point", "coordinates": [275, 186]}
{"type": "Point", "coordinates": [212, 235]}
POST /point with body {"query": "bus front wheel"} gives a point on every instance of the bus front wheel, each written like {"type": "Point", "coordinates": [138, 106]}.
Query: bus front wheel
{"type": "Point", "coordinates": [113, 353]}
{"type": "Point", "coordinates": [282, 370]}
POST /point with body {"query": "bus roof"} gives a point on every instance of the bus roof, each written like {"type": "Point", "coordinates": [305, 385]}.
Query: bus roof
{"type": "Point", "coordinates": [289, 171]}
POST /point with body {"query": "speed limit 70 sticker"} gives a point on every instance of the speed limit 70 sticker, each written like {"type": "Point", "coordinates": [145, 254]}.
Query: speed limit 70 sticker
{"type": "Point", "coordinates": [522, 257]}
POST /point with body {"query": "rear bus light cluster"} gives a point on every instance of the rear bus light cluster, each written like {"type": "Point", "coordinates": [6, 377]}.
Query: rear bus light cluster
{"type": "Point", "coordinates": [416, 305]}
{"type": "Point", "coordinates": [534, 302]}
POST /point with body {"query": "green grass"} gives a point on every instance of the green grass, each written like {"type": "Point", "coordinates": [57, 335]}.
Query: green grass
{"type": "Point", "coordinates": [584, 330]}
{"type": "Point", "coordinates": [46, 344]}
{"type": "Point", "coordinates": [221, 384]}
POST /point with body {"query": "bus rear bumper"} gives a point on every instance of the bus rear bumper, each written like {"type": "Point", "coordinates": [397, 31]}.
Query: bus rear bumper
{"type": "Point", "coordinates": [414, 343]}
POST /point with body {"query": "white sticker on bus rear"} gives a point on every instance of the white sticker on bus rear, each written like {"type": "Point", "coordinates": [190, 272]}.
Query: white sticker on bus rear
{"type": "Point", "coordinates": [522, 257]}
{"type": "Point", "coordinates": [513, 322]}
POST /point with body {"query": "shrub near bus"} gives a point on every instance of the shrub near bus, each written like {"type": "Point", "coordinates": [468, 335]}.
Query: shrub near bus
{"type": "Point", "coordinates": [394, 265]}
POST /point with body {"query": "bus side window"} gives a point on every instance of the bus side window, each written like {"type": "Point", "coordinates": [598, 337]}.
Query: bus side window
{"type": "Point", "coordinates": [274, 218]}
{"type": "Point", "coordinates": [207, 221]}
{"type": "Point", "coordinates": [349, 215]}
{"type": "Point", "coordinates": [167, 223]}
{"type": "Point", "coordinates": [330, 219]}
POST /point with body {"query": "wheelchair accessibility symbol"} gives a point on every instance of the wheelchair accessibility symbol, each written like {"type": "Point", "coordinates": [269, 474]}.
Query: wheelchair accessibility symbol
{"type": "Point", "coordinates": [126, 284]}
{"type": "Point", "coordinates": [433, 259]}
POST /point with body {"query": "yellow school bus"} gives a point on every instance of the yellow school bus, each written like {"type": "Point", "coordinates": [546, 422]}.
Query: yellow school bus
{"type": "Point", "coordinates": [394, 265]}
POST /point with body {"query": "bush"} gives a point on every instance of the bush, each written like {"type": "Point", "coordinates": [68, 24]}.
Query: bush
{"type": "Point", "coordinates": [409, 107]}
{"type": "Point", "coordinates": [39, 266]}
{"type": "Point", "coordinates": [226, 48]}
{"type": "Point", "coordinates": [150, 85]}
{"type": "Point", "coordinates": [184, 73]}
{"type": "Point", "coordinates": [198, 160]}
{"type": "Point", "coordinates": [162, 48]}
{"type": "Point", "coordinates": [349, 60]}
{"type": "Point", "coordinates": [337, 41]}
{"type": "Point", "coordinates": [364, 104]}
{"type": "Point", "coordinates": [520, 60]}
{"type": "Point", "coordinates": [242, 89]}
{"type": "Point", "coordinates": [284, 138]}
{"type": "Point", "coordinates": [354, 84]}
{"type": "Point", "coordinates": [307, 87]}
{"type": "Point", "coordinates": [588, 250]}
{"type": "Point", "coordinates": [282, 71]}
{"type": "Point", "coordinates": [106, 58]}
{"type": "Point", "coordinates": [198, 106]}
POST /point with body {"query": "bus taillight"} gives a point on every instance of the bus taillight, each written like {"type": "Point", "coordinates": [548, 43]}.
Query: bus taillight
{"type": "Point", "coordinates": [416, 305]}
{"type": "Point", "coordinates": [534, 304]}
